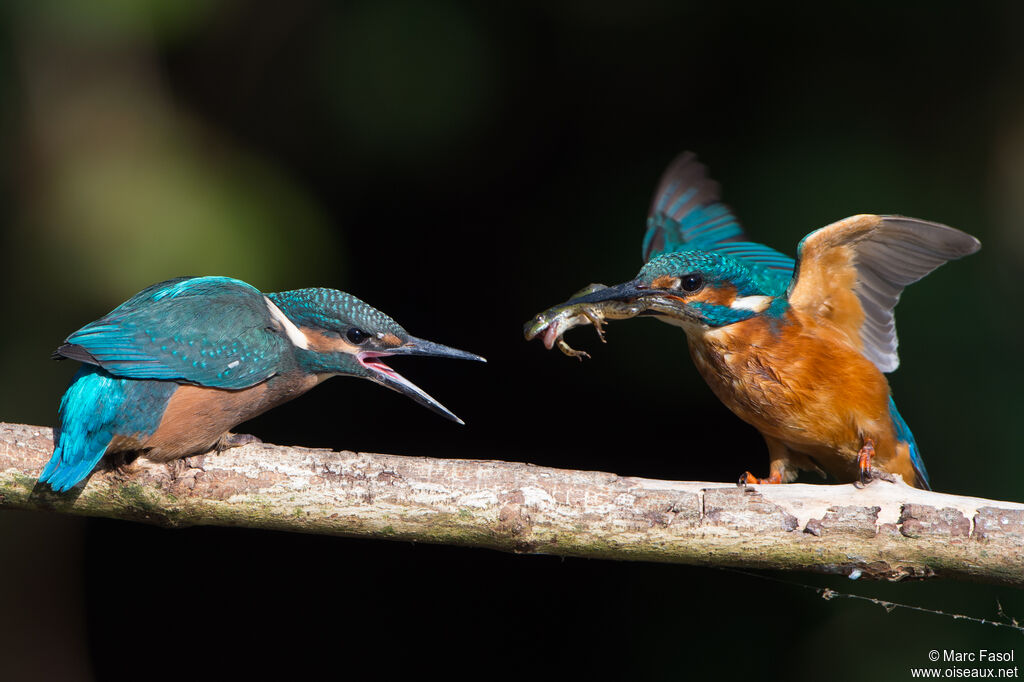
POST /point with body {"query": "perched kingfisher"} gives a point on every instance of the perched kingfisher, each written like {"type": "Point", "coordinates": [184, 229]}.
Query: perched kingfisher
{"type": "Point", "coordinates": [171, 370]}
{"type": "Point", "coordinates": [798, 349]}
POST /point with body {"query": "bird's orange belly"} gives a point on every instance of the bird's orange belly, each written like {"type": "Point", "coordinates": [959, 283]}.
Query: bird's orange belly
{"type": "Point", "coordinates": [197, 416]}
{"type": "Point", "coordinates": [817, 395]}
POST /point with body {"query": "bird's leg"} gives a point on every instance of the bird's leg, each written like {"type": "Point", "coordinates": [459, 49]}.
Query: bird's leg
{"type": "Point", "coordinates": [120, 462]}
{"type": "Point", "coordinates": [749, 478]}
{"type": "Point", "coordinates": [177, 468]}
{"type": "Point", "coordinates": [867, 471]}
{"type": "Point", "coordinates": [184, 470]}
{"type": "Point", "coordinates": [181, 472]}
{"type": "Point", "coordinates": [196, 462]}
{"type": "Point", "coordinates": [780, 470]}
{"type": "Point", "coordinates": [233, 440]}
{"type": "Point", "coordinates": [867, 452]}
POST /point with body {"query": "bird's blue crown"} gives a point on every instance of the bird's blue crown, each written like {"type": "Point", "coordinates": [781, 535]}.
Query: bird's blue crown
{"type": "Point", "coordinates": [333, 310]}
{"type": "Point", "coordinates": [715, 268]}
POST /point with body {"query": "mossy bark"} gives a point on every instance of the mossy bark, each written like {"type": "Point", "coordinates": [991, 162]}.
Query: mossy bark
{"type": "Point", "coordinates": [884, 531]}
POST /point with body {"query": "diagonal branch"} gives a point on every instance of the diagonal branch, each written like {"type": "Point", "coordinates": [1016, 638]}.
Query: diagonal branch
{"type": "Point", "coordinates": [884, 531]}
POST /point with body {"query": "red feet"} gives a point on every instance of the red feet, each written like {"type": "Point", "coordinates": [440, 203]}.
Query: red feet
{"type": "Point", "coordinates": [867, 451]}
{"type": "Point", "coordinates": [749, 478]}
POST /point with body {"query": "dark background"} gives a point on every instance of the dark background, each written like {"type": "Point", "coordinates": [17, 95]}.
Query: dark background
{"type": "Point", "coordinates": [462, 166]}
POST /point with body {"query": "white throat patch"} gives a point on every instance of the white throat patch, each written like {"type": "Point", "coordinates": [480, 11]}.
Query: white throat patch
{"type": "Point", "coordinates": [758, 304]}
{"type": "Point", "coordinates": [295, 334]}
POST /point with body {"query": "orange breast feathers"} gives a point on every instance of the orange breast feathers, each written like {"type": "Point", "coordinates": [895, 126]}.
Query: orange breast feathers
{"type": "Point", "coordinates": [800, 382]}
{"type": "Point", "coordinates": [197, 416]}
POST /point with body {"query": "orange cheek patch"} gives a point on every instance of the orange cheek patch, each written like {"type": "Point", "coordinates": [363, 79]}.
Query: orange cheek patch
{"type": "Point", "coordinates": [665, 282]}
{"type": "Point", "coordinates": [720, 295]}
{"type": "Point", "coordinates": [327, 344]}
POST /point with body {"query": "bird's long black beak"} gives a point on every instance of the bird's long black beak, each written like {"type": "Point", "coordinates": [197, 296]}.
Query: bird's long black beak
{"type": "Point", "coordinates": [415, 346]}
{"type": "Point", "coordinates": [627, 291]}
{"type": "Point", "coordinates": [389, 378]}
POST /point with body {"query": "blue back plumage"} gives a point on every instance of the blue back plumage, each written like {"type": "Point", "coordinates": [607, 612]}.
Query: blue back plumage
{"type": "Point", "coordinates": [211, 331]}
{"type": "Point", "coordinates": [96, 408]}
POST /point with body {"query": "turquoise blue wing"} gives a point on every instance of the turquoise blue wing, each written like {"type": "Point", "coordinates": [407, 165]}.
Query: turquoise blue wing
{"type": "Point", "coordinates": [212, 331]}
{"type": "Point", "coordinates": [685, 209]}
{"type": "Point", "coordinates": [686, 215]}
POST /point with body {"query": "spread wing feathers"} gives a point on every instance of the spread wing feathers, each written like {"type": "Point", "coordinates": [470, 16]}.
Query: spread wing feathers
{"type": "Point", "coordinates": [685, 208]}
{"type": "Point", "coordinates": [212, 331]}
{"type": "Point", "coordinates": [686, 214]}
{"type": "Point", "coordinates": [853, 272]}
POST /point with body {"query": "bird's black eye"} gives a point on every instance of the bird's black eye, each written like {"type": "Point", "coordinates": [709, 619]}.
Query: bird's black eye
{"type": "Point", "coordinates": [356, 335]}
{"type": "Point", "coordinates": [691, 282]}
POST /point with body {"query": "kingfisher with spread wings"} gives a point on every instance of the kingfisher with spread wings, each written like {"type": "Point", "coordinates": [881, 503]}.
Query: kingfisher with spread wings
{"type": "Point", "coordinates": [798, 349]}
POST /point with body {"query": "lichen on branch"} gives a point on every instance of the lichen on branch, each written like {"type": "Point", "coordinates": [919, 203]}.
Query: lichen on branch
{"type": "Point", "coordinates": [884, 531]}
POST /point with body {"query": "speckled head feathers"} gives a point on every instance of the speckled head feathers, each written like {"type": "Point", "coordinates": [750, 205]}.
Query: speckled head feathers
{"type": "Point", "coordinates": [714, 268]}
{"type": "Point", "coordinates": [335, 311]}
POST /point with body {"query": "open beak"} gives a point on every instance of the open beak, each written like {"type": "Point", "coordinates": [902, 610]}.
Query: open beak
{"type": "Point", "coordinates": [389, 378]}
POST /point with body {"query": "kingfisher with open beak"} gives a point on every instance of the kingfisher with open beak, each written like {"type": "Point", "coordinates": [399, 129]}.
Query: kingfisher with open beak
{"type": "Point", "coordinates": [798, 349]}
{"type": "Point", "coordinates": [168, 373]}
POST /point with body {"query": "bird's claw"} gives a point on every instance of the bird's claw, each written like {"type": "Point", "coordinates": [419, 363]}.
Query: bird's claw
{"type": "Point", "coordinates": [184, 472]}
{"type": "Point", "coordinates": [874, 474]}
{"type": "Point", "coordinates": [120, 463]}
{"type": "Point", "coordinates": [864, 456]}
{"type": "Point", "coordinates": [234, 440]}
{"type": "Point", "coordinates": [748, 478]}
{"type": "Point", "coordinates": [196, 462]}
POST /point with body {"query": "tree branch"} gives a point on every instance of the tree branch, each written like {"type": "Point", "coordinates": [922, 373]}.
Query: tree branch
{"type": "Point", "coordinates": [885, 531]}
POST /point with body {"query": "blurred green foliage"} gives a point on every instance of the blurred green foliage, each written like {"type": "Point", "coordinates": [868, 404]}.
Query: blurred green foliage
{"type": "Point", "coordinates": [407, 79]}
{"type": "Point", "coordinates": [105, 22]}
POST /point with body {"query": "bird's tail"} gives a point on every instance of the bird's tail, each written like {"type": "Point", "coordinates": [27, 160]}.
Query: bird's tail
{"type": "Point", "coordinates": [86, 427]}
{"type": "Point", "coordinates": [904, 434]}
{"type": "Point", "coordinates": [66, 468]}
